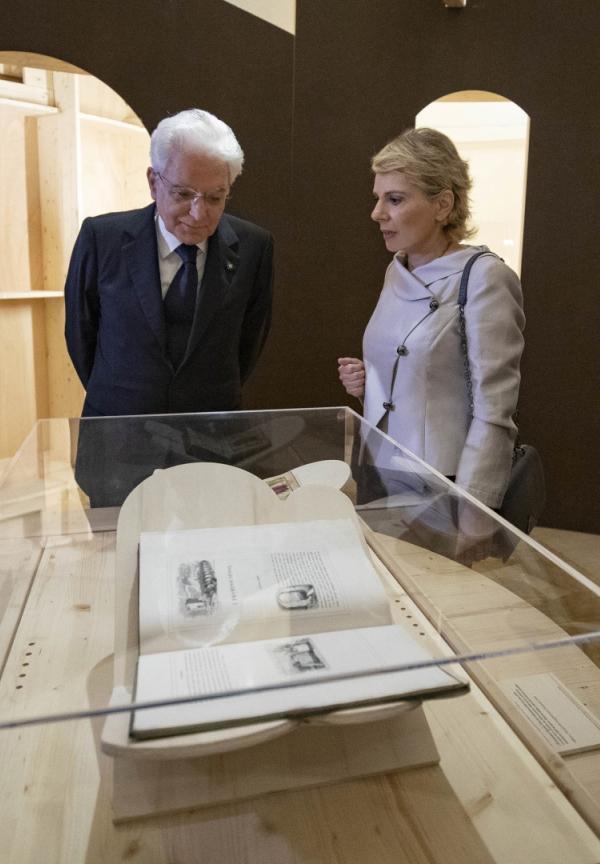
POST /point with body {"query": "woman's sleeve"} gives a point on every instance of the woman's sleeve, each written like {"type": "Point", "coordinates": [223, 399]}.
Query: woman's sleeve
{"type": "Point", "coordinates": [494, 324]}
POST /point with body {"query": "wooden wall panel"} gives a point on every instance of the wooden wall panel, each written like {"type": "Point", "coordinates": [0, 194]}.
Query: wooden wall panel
{"type": "Point", "coordinates": [23, 395]}
{"type": "Point", "coordinates": [60, 200]}
{"type": "Point", "coordinates": [97, 99]}
{"type": "Point", "coordinates": [57, 167]}
{"type": "Point", "coordinates": [60, 181]}
{"type": "Point", "coordinates": [21, 324]}
{"type": "Point", "coordinates": [114, 160]}
{"type": "Point", "coordinates": [19, 201]}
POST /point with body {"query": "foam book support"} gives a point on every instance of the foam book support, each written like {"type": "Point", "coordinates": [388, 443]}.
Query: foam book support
{"type": "Point", "coordinates": [240, 590]}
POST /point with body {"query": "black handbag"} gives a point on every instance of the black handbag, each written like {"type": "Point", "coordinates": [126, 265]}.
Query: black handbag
{"type": "Point", "coordinates": [525, 496]}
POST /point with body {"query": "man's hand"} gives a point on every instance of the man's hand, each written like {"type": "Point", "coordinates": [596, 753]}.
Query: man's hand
{"type": "Point", "coordinates": [351, 371]}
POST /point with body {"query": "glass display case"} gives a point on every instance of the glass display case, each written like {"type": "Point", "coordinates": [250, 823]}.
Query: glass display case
{"type": "Point", "coordinates": [518, 629]}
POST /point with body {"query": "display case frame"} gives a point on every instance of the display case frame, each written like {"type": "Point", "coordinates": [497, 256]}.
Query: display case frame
{"type": "Point", "coordinates": [59, 502]}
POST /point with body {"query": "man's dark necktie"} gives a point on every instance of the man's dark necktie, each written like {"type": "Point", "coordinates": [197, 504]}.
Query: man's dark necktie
{"type": "Point", "coordinates": [180, 303]}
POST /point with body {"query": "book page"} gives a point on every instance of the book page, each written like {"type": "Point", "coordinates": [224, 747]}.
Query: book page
{"type": "Point", "coordinates": [309, 663]}
{"type": "Point", "coordinates": [210, 585]}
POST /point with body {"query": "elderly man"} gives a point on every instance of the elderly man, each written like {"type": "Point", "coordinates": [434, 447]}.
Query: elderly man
{"type": "Point", "coordinates": [168, 307]}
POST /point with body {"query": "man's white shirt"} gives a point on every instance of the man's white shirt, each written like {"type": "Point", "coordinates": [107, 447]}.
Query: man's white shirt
{"type": "Point", "coordinates": [169, 261]}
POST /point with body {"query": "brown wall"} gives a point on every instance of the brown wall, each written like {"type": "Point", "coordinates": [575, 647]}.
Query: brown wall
{"type": "Point", "coordinates": [312, 109]}
{"type": "Point", "coordinates": [362, 76]}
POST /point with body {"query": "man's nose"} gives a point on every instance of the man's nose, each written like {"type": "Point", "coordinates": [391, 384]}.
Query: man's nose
{"type": "Point", "coordinates": [197, 206]}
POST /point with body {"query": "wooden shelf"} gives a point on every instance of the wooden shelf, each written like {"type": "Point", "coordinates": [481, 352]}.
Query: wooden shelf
{"type": "Point", "coordinates": [30, 106]}
{"type": "Point", "coordinates": [110, 121]}
{"type": "Point", "coordinates": [29, 295]}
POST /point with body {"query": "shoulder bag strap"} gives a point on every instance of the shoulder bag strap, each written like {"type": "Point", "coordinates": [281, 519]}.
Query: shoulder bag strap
{"type": "Point", "coordinates": [462, 301]}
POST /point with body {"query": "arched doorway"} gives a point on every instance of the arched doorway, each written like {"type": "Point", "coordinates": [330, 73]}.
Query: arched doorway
{"type": "Point", "coordinates": [71, 148]}
{"type": "Point", "coordinates": [492, 134]}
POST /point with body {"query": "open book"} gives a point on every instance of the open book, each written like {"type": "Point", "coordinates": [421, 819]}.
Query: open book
{"type": "Point", "coordinates": [290, 618]}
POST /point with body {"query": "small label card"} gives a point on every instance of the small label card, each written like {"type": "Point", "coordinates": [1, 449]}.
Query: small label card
{"type": "Point", "coordinates": [283, 485]}
{"type": "Point", "coordinates": [566, 724]}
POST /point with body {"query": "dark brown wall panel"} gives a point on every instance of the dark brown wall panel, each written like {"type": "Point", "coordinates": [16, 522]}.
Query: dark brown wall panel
{"type": "Point", "coordinates": [363, 71]}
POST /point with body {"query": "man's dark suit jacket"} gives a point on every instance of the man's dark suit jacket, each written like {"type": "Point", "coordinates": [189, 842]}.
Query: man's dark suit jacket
{"type": "Point", "coordinates": [115, 327]}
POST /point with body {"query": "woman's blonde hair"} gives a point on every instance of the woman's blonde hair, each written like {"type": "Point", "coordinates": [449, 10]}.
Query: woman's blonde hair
{"type": "Point", "coordinates": [431, 161]}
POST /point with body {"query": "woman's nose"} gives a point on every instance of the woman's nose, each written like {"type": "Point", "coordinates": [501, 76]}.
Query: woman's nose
{"type": "Point", "coordinates": [377, 213]}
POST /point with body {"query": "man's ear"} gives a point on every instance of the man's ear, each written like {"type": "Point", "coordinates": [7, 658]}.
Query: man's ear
{"type": "Point", "coordinates": [151, 176]}
{"type": "Point", "coordinates": [445, 202]}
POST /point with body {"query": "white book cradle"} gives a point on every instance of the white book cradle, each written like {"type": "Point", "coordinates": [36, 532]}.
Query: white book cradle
{"type": "Point", "coordinates": [200, 769]}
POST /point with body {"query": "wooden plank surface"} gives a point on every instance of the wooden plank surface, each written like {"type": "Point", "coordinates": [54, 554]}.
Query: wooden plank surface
{"type": "Point", "coordinates": [19, 559]}
{"type": "Point", "coordinates": [488, 801]}
{"type": "Point", "coordinates": [474, 613]}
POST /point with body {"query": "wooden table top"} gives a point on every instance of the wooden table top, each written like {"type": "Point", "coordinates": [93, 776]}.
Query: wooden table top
{"type": "Point", "coordinates": [487, 801]}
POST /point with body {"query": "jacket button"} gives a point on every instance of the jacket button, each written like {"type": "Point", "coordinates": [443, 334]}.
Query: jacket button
{"type": "Point", "coordinates": [433, 305]}
{"type": "Point", "coordinates": [401, 350]}
{"type": "Point", "coordinates": [389, 406]}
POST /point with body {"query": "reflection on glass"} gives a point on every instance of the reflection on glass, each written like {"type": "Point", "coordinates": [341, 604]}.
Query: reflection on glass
{"type": "Point", "coordinates": [486, 588]}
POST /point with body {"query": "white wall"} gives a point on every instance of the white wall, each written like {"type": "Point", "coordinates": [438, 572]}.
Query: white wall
{"type": "Point", "coordinates": [281, 13]}
{"type": "Point", "coordinates": [493, 136]}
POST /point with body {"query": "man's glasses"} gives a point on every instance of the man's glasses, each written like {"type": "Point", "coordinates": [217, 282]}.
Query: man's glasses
{"type": "Point", "coordinates": [184, 195]}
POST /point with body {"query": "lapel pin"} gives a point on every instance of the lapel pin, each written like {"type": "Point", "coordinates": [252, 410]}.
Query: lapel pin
{"type": "Point", "coordinates": [229, 266]}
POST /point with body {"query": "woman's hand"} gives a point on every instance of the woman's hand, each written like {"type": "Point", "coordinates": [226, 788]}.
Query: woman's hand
{"type": "Point", "coordinates": [476, 534]}
{"type": "Point", "coordinates": [352, 375]}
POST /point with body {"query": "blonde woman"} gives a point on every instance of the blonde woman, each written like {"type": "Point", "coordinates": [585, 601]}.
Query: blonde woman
{"type": "Point", "coordinates": [412, 375]}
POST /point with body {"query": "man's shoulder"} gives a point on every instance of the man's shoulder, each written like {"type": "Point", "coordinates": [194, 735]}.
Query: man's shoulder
{"type": "Point", "coordinates": [245, 229]}
{"type": "Point", "coordinates": [120, 221]}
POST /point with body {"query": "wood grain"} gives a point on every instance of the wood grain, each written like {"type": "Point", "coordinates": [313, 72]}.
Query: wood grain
{"type": "Point", "coordinates": [488, 801]}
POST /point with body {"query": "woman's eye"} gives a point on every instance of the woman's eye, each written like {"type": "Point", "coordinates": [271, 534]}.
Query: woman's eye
{"type": "Point", "coordinates": [395, 199]}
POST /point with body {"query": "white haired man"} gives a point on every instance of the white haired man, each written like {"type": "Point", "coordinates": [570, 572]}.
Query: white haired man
{"type": "Point", "coordinates": [168, 307]}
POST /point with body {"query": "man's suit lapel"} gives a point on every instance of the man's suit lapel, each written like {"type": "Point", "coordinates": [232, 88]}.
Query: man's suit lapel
{"type": "Point", "coordinates": [222, 261]}
{"type": "Point", "coordinates": [141, 255]}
